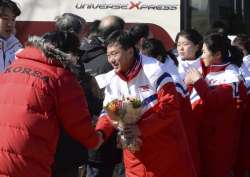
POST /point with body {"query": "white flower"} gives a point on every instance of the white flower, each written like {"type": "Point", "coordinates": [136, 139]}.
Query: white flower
{"type": "Point", "coordinates": [122, 112]}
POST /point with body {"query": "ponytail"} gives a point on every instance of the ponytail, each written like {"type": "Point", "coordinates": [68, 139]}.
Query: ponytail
{"type": "Point", "coordinates": [235, 56]}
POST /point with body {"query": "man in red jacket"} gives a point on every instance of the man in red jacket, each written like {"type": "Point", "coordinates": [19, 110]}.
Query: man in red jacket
{"type": "Point", "coordinates": [38, 94]}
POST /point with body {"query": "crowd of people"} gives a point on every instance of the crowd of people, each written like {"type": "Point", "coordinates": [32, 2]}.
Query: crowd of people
{"type": "Point", "coordinates": [195, 101]}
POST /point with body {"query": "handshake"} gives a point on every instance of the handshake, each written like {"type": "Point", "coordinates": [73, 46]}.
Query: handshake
{"type": "Point", "coordinates": [129, 137]}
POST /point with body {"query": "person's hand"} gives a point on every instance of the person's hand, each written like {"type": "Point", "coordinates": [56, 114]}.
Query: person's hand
{"type": "Point", "coordinates": [192, 75]}
{"type": "Point", "coordinates": [131, 131]}
{"type": "Point", "coordinates": [130, 137]}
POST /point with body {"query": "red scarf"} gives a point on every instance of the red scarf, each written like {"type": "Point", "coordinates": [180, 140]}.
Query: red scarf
{"type": "Point", "coordinates": [133, 71]}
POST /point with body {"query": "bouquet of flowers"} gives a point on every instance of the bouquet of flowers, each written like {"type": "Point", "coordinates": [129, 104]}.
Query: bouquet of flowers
{"type": "Point", "coordinates": [122, 112]}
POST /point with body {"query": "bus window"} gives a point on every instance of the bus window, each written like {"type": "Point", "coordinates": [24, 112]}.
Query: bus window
{"type": "Point", "coordinates": [199, 15]}
{"type": "Point", "coordinates": [233, 13]}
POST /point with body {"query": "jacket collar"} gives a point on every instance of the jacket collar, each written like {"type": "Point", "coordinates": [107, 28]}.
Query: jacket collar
{"type": "Point", "coordinates": [133, 71]}
{"type": "Point", "coordinates": [212, 68]}
{"type": "Point", "coordinates": [9, 42]}
{"type": "Point", "coordinates": [35, 54]}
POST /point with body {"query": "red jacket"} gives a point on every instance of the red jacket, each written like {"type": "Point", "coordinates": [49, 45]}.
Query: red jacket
{"type": "Point", "coordinates": [185, 111]}
{"type": "Point", "coordinates": [242, 168]}
{"type": "Point", "coordinates": [191, 129]}
{"type": "Point", "coordinates": [36, 98]}
{"type": "Point", "coordinates": [164, 151]}
{"type": "Point", "coordinates": [243, 159]}
{"type": "Point", "coordinates": [217, 101]}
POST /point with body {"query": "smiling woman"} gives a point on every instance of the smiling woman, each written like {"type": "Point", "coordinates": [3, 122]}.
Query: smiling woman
{"type": "Point", "coordinates": [121, 53]}
{"type": "Point", "coordinates": [141, 77]}
{"type": "Point", "coordinates": [119, 58]}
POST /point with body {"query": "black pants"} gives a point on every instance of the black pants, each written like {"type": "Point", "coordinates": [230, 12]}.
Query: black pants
{"type": "Point", "coordinates": [94, 170]}
{"type": "Point", "coordinates": [72, 172]}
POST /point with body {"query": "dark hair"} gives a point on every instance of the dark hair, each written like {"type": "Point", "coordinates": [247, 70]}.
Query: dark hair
{"type": "Point", "coordinates": [8, 4]}
{"type": "Point", "coordinates": [93, 28]}
{"type": "Point", "coordinates": [123, 38]}
{"type": "Point", "coordinates": [155, 48]}
{"type": "Point", "coordinates": [217, 42]}
{"type": "Point", "coordinates": [139, 31]}
{"type": "Point", "coordinates": [193, 36]}
{"type": "Point", "coordinates": [219, 27]}
{"type": "Point", "coordinates": [58, 46]}
{"type": "Point", "coordinates": [70, 22]}
{"type": "Point", "coordinates": [116, 23]}
{"type": "Point", "coordinates": [64, 41]}
{"type": "Point", "coordinates": [242, 40]}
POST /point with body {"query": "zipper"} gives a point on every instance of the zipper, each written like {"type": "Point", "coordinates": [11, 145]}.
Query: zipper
{"type": "Point", "coordinates": [4, 56]}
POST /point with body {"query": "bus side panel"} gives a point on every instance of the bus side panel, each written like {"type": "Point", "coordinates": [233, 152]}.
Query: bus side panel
{"type": "Point", "coordinates": [28, 28]}
{"type": "Point", "coordinates": [24, 29]}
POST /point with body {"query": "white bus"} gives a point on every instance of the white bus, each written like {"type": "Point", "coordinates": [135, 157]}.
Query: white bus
{"type": "Point", "coordinates": [162, 16]}
{"type": "Point", "coordinates": [165, 17]}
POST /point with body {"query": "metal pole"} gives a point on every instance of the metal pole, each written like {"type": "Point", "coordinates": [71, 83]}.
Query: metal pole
{"type": "Point", "coordinates": [185, 14]}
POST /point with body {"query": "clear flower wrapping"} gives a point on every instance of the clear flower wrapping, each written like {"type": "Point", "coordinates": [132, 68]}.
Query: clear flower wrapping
{"type": "Point", "coordinates": [122, 113]}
